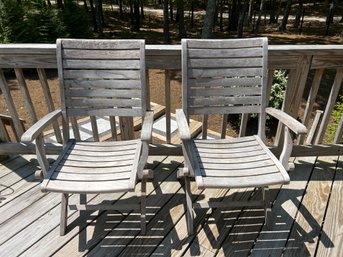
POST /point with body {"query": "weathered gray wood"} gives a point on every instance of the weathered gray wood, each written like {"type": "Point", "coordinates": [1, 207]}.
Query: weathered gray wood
{"type": "Point", "coordinates": [50, 103]}
{"type": "Point", "coordinates": [10, 105]}
{"type": "Point", "coordinates": [311, 99]}
{"type": "Point", "coordinates": [27, 98]}
{"type": "Point", "coordinates": [331, 244]}
{"type": "Point", "coordinates": [330, 105]}
{"type": "Point", "coordinates": [314, 127]}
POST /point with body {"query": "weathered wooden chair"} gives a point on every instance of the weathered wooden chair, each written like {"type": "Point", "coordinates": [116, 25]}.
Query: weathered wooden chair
{"type": "Point", "coordinates": [98, 78]}
{"type": "Point", "coordinates": [226, 77]}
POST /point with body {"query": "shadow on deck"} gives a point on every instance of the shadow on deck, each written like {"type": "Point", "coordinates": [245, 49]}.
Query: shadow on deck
{"type": "Point", "coordinates": [307, 217]}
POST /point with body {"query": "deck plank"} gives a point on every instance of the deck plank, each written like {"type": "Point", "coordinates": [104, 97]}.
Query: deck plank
{"type": "Point", "coordinates": [331, 240]}
{"type": "Point", "coordinates": [304, 236]}
{"type": "Point", "coordinates": [271, 242]}
{"type": "Point", "coordinates": [308, 215]}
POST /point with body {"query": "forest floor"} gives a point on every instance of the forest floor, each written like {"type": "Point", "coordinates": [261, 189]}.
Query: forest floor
{"type": "Point", "coordinates": [313, 32]}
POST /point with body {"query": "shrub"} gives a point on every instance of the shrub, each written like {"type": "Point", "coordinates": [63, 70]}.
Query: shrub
{"type": "Point", "coordinates": [336, 115]}
{"type": "Point", "coordinates": [277, 93]}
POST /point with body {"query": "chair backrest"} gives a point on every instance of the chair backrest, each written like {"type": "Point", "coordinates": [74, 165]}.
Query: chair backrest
{"type": "Point", "coordinates": [102, 77]}
{"type": "Point", "coordinates": [225, 76]}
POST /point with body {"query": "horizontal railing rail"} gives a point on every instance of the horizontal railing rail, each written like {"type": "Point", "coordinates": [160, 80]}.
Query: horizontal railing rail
{"type": "Point", "coordinates": [299, 60]}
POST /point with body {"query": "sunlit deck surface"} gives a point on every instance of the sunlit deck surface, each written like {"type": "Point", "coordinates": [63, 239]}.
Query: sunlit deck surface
{"type": "Point", "coordinates": [307, 217]}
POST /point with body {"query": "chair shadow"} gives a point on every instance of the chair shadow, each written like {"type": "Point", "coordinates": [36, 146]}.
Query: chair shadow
{"type": "Point", "coordinates": [238, 232]}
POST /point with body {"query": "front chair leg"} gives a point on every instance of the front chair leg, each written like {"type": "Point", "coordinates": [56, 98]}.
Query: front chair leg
{"type": "Point", "coordinates": [143, 205]}
{"type": "Point", "coordinates": [189, 211]}
{"type": "Point", "coordinates": [64, 214]}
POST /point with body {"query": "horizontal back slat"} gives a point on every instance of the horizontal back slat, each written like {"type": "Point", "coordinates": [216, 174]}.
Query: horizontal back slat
{"type": "Point", "coordinates": [103, 77]}
{"type": "Point", "coordinates": [223, 76]}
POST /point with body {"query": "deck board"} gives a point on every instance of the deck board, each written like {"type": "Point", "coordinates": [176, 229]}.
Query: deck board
{"type": "Point", "coordinates": [307, 222]}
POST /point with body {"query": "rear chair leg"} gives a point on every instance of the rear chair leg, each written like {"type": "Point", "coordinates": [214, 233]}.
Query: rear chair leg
{"type": "Point", "coordinates": [64, 214]}
{"type": "Point", "coordinates": [267, 207]}
{"type": "Point", "coordinates": [189, 212]}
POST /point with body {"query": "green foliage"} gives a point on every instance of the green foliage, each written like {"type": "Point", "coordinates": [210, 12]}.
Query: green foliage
{"type": "Point", "coordinates": [336, 115]}
{"type": "Point", "coordinates": [33, 21]}
{"type": "Point", "coordinates": [277, 93]}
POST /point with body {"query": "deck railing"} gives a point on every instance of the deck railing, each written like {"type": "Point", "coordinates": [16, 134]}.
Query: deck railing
{"type": "Point", "coordinates": [303, 63]}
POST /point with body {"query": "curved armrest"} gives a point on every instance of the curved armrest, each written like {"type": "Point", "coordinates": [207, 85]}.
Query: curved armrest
{"type": "Point", "coordinates": [147, 126]}
{"type": "Point", "coordinates": [182, 125]}
{"type": "Point", "coordinates": [33, 132]}
{"type": "Point", "coordinates": [290, 122]}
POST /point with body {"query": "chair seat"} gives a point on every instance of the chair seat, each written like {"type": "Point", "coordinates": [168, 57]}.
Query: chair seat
{"type": "Point", "coordinates": [95, 167]}
{"type": "Point", "coordinates": [236, 163]}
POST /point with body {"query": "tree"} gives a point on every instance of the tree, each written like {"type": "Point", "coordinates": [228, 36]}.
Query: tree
{"type": "Point", "coordinates": [166, 34]}
{"type": "Point", "coordinates": [98, 4]}
{"type": "Point", "coordinates": [242, 18]}
{"type": "Point", "coordinates": [234, 15]}
{"type": "Point", "coordinates": [298, 14]}
{"type": "Point", "coordinates": [257, 28]}
{"type": "Point", "coordinates": [181, 19]}
{"type": "Point", "coordinates": [209, 19]}
{"type": "Point", "coordinates": [283, 24]}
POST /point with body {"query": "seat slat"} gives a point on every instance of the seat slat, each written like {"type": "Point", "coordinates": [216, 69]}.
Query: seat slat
{"type": "Point", "coordinates": [99, 158]}
{"type": "Point", "coordinates": [253, 173]}
{"type": "Point", "coordinates": [104, 154]}
{"type": "Point", "coordinates": [89, 187]}
{"type": "Point", "coordinates": [85, 170]}
{"type": "Point", "coordinates": [226, 155]}
{"type": "Point", "coordinates": [95, 164]}
{"type": "Point", "coordinates": [91, 176]}
{"type": "Point", "coordinates": [237, 166]}
{"type": "Point", "coordinates": [241, 182]}
{"type": "Point", "coordinates": [242, 159]}
{"type": "Point", "coordinates": [231, 151]}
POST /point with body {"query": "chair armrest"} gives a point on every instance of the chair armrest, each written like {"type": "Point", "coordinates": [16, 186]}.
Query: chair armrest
{"type": "Point", "coordinates": [182, 125]}
{"type": "Point", "coordinates": [147, 126]}
{"type": "Point", "coordinates": [37, 128]}
{"type": "Point", "coordinates": [289, 121]}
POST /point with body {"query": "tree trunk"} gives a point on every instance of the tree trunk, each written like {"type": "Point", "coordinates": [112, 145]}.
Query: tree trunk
{"type": "Point", "coordinates": [166, 34]}
{"type": "Point", "coordinates": [59, 4]}
{"type": "Point", "coordinates": [298, 14]}
{"type": "Point", "coordinates": [137, 19]}
{"type": "Point", "coordinates": [242, 18]}
{"type": "Point", "coordinates": [234, 16]}
{"type": "Point", "coordinates": [257, 28]}
{"type": "Point", "coordinates": [192, 14]}
{"type": "Point", "coordinates": [181, 19]}
{"type": "Point", "coordinates": [95, 27]}
{"type": "Point", "coordinates": [209, 19]}
{"type": "Point", "coordinates": [142, 9]}
{"type": "Point", "coordinates": [98, 18]}
{"type": "Point", "coordinates": [84, 4]}
{"type": "Point", "coordinates": [121, 9]}
{"type": "Point", "coordinates": [272, 19]}
{"type": "Point", "coordinates": [250, 12]}
{"type": "Point", "coordinates": [282, 27]}
{"type": "Point", "coordinates": [221, 18]}
{"type": "Point", "coordinates": [171, 11]}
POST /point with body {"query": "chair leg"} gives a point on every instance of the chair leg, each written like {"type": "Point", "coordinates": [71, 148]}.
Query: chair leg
{"type": "Point", "coordinates": [64, 214]}
{"type": "Point", "coordinates": [143, 206]}
{"type": "Point", "coordinates": [189, 211]}
{"type": "Point", "coordinates": [267, 207]}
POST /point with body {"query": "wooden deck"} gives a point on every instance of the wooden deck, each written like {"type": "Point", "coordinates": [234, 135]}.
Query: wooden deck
{"type": "Point", "coordinates": [307, 217]}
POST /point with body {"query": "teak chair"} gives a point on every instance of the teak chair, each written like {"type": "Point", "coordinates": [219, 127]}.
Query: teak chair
{"type": "Point", "coordinates": [98, 78]}
{"type": "Point", "coordinates": [226, 77]}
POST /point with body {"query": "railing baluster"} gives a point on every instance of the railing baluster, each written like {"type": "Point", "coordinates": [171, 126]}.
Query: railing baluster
{"type": "Point", "coordinates": [311, 99]}
{"type": "Point", "coordinates": [49, 101]}
{"type": "Point", "coordinates": [167, 102]}
{"type": "Point", "coordinates": [339, 132]}
{"type": "Point", "coordinates": [94, 129]}
{"type": "Point", "coordinates": [10, 105]}
{"type": "Point", "coordinates": [27, 98]}
{"type": "Point", "coordinates": [330, 105]}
